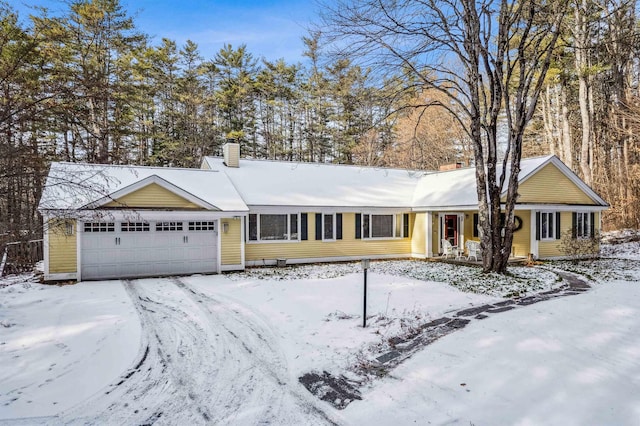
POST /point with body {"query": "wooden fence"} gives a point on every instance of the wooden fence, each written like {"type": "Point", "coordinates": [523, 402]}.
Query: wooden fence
{"type": "Point", "coordinates": [20, 256]}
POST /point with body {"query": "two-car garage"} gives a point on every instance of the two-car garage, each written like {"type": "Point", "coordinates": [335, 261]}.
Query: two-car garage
{"type": "Point", "coordinates": [147, 248]}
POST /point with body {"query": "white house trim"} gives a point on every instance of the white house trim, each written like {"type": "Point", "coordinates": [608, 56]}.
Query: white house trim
{"type": "Point", "coordinates": [242, 240]}
{"type": "Point", "coordinates": [561, 207]}
{"type": "Point", "coordinates": [152, 215]}
{"type": "Point", "coordinates": [79, 231]}
{"type": "Point", "coordinates": [219, 248]}
{"type": "Point", "coordinates": [429, 234]}
{"type": "Point", "coordinates": [459, 224]}
{"type": "Point", "coordinates": [327, 210]}
{"type": "Point", "coordinates": [534, 243]}
{"type": "Point", "coordinates": [45, 243]}
{"type": "Point", "coordinates": [62, 276]}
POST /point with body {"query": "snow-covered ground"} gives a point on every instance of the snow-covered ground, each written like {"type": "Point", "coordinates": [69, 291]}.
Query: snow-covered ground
{"type": "Point", "coordinates": [228, 349]}
{"type": "Point", "coordinates": [62, 344]}
{"type": "Point", "coordinates": [318, 321]}
{"type": "Point", "coordinates": [569, 361]}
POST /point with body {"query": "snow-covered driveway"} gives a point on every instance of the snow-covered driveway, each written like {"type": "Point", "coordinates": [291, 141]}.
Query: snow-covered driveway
{"type": "Point", "coordinates": [228, 349]}
{"type": "Point", "coordinates": [203, 362]}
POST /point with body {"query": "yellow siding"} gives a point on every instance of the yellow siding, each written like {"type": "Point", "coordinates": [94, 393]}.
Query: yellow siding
{"type": "Point", "coordinates": [551, 248]}
{"type": "Point", "coordinates": [153, 195]}
{"type": "Point", "coordinates": [62, 247]}
{"type": "Point", "coordinates": [522, 239]}
{"type": "Point", "coordinates": [348, 246]}
{"type": "Point", "coordinates": [468, 225]}
{"type": "Point", "coordinates": [418, 236]}
{"type": "Point", "coordinates": [205, 166]}
{"type": "Point", "coordinates": [550, 185]}
{"type": "Point", "coordinates": [231, 241]}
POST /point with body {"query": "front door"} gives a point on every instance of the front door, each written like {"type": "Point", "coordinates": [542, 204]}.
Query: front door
{"type": "Point", "coordinates": [450, 230]}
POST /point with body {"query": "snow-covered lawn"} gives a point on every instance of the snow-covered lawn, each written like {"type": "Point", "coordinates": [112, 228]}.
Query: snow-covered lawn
{"type": "Point", "coordinates": [572, 360]}
{"type": "Point", "coordinates": [62, 344]}
{"type": "Point", "coordinates": [319, 320]}
{"type": "Point", "coordinates": [569, 361]}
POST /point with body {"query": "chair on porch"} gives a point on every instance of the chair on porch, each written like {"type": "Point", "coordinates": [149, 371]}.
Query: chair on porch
{"type": "Point", "coordinates": [473, 249]}
{"type": "Point", "coordinates": [448, 249]}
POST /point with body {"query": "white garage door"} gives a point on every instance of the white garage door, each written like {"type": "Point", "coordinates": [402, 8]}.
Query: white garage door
{"type": "Point", "coordinates": [146, 249]}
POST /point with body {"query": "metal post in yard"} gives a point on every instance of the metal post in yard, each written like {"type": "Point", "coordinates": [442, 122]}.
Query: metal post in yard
{"type": "Point", "coordinates": [365, 266]}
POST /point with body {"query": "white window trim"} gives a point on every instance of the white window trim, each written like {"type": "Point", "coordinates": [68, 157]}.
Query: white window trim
{"type": "Point", "coordinates": [394, 225]}
{"type": "Point", "coordinates": [333, 215]}
{"type": "Point", "coordinates": [287, 241]}
{"type": "Point", "coordinates": [552, 236]}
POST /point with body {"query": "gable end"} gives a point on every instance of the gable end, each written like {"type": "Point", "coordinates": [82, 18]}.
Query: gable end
{"type": "Point", "coordinates": [550, 185]}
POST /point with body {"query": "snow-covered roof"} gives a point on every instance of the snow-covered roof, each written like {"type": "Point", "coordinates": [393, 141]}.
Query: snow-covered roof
{"type": "Point", "coordinates": [279, 183]}
{"type": "Point", "coordinates": [76, 186]}
{"type": "Point", "coordinates": [457, 188]}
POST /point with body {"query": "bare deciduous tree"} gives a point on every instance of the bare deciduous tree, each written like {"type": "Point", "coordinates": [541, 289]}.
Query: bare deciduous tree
{"type": "Point", "coordinates": [488, 57]}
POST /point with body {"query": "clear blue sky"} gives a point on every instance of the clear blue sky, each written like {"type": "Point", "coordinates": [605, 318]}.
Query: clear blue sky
{"type": "Point", "coordinates": [271, 28]}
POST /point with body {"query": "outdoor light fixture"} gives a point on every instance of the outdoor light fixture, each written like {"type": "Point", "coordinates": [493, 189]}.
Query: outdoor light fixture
{"type": "Point", "coordinates": [225, 227]}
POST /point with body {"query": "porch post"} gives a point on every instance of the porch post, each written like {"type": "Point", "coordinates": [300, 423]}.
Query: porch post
{"type": "Point", "coordinates": [532, 228]}
{"type": "Point", "coordinates": [429, 234]}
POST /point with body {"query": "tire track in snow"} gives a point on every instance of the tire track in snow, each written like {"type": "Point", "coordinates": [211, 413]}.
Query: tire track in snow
{"type": "Point", "coordinates": [201, 362]}
{"type": "Point", "coordinates": [288, 403]}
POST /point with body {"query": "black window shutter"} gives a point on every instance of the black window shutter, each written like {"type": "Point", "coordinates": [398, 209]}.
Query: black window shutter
{"type": "Point", "coordinates": [592, 224]}
{"type": "Point", "coordinates": [574, 225]}
{"type": "Point", "coordinates": [405, 225]}
{"type": "Point", "coordinates": [358, 226]}
{"type": "Point", "coordinates": [476, 220]}
{"type": "Point", "coordinates": [557, 225]}
{"type": "Point", "coordinates": [338, 226]}
{"type": "Point", "coordinates": [537, 226]}
{"type": "Point", "coordinates": [304, 235]}
{"type": "Point", "coordinates": [318, 226]}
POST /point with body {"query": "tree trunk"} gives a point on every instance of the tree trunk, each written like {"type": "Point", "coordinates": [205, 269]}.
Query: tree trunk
{"type": "Point", "coordinates": [566, 141]}
{"type": "Point", "coordinates": [581, 37]}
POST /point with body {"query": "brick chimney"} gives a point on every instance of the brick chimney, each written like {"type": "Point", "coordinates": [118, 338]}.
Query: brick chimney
{"type": "Point", "coordinates": [231, 154]}
{"type": "Point", "coordinates": [452, 166]}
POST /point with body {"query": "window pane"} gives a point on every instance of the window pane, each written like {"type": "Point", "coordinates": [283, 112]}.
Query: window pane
{"type": "Point", "coordinates": [546, 223]}
{"type": "Point", "coordinates": [580, 226]}
{"type": "Point", "coordinates": [583, 227]}
{"type": "Point", "coordinates": [273, 226]}
{"type": "Point", "coordinates": [365, 225]}
{"type": "Point", "coordinates": [253, 227]}
{"type": "Point", "coordinates": [586, 221]}
{"type": "Point", "coordinates": [328, 227]}
{"type": "Point", "coordinates": [294, 227]}
{"type": "Point", "coordinates": [381, 226]}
